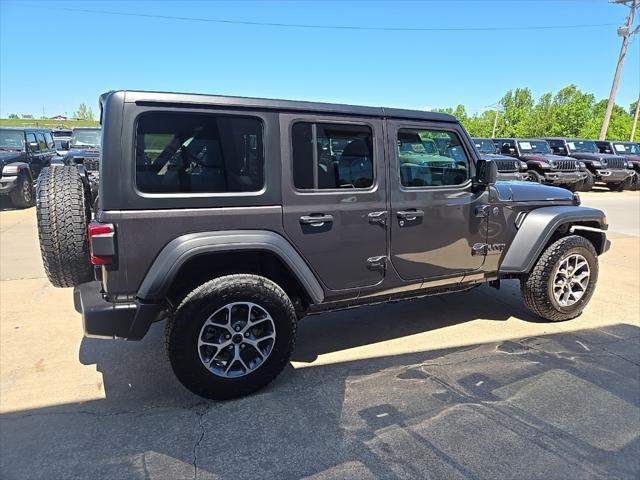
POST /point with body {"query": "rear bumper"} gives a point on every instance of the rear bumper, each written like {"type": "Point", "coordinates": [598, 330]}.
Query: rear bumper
{"type": "Point", "coordinates": [564, 178]}
{"type": "Point", "coordinates": [614, 175]}
{"type": "Point", "coordinates": [104, 319]}
{"type": "Point", "coordinates": [7, 184]}
{"type": "Point", "coordinates": [510, 176]}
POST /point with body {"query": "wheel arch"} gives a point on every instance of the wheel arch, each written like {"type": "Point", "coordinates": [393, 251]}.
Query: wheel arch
{"type": "Point", "coordinates": [22, 168]}
{"type": "Point", "coordinates": [198, 257]}
{"type": "Point", "coordinates": [545, 225]}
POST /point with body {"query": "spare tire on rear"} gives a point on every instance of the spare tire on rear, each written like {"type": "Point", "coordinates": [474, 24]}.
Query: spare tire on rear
{"type": "Point", "coordinates": [63, 212]}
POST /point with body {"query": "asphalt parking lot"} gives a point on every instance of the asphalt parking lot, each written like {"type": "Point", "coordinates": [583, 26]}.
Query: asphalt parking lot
{"type": "Point", "coordinates": [468, 385]}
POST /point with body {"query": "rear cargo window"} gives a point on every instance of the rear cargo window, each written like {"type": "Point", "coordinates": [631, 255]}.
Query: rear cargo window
{"type": "Point", "coordinates": [203, 153]}
{"type": "Point", "coordinates": [332, 156]}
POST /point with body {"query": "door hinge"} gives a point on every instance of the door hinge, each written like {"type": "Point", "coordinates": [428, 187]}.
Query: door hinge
{"type": "Point", "coordinates": [479, 249]}
{"type": "Point", "coordinates": [377, 263]}
{"type": "Point", "coordinates": [482, 211]}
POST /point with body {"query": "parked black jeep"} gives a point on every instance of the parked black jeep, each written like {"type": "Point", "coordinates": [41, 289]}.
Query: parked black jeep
{"type": "Point", "coordinates": [630, 151]}
{"type": "Point", "coordinates": [84, 153]}
{"type": "Point", "coordinates": [509, 168]}
{"type": "Point", "coordinates": [604, 168]}
{"type": "Point", "coordinates": [543, 165]}
{"type": "Point", "coordinates": [233, 218]}
{"type": "Point", "coordinates": [23, 154]}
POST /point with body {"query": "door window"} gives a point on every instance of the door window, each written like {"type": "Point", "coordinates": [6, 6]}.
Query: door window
{"type": "Point", "coordinates": [41, 142]}
{"type": "Point", "coordinates": [332, 156]}
{"type": "Point", "coordinates": [49, 139]}
{"type": "Point", "coordinates": [31, 141]}
{"type": "Point", "coordinates": [431, 158]}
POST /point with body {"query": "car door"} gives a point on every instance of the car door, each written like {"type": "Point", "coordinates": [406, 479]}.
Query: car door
{"type": "Point", "coordinates": [438, 221]}
{"type": "Point", "coordinates": [32, 148]}
{"type": "Point", "coordinates": [334, 199]}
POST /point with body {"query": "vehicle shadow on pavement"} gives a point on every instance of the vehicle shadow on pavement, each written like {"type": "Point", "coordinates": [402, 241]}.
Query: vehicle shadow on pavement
{"type": "Point", "coordinates": [555, 406]}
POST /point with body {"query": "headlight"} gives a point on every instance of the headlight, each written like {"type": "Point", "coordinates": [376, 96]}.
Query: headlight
{"type": "Point", "coordinates": [597, 164]}
{"type": "Point", "coordinates": [523, 165]}
{"type": "Point", "coordinates": [10, 170]}
{"type": "Point", "coordinates": [582, 165]}
{"type": "Point", "coordinates": [552, 164]}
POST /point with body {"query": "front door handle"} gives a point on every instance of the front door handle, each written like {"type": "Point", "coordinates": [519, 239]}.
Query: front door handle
{"type": "Point", "coordinates": [378, 217]}
{"type": "Point", "coordinates": [409, 214]}
{"type": "Point", "coordinates": [316, 220]}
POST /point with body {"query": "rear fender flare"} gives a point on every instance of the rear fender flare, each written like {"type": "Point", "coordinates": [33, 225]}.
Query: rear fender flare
{"type": "Point", "coordinates": [537, 229]}
{"type": "Point", "coordinates": [176, 253]}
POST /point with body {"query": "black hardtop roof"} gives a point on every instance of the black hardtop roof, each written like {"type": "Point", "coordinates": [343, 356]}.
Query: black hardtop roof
{"type": "Point", "coordinates": [523, 139]}
{"type": "Point", "coordinates": [570, 139]}
{"type": "Point", "coordinates": [22, 129]}
{"type": "Point", "coordinates": [87, 128]}
{"type": "Point", "coordinates": [145, 97]}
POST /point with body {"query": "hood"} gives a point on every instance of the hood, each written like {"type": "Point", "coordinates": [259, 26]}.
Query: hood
{"type": "Point", "coordinates": [83, 152]}
{"type": "Point", "coordinates": [595, 156]}
{"type": "Point", "coordinates": [544, 157]}
{"type": "Point", "coordinates": [8, 156]}
{"type": "Point", "coordinates": [495, 156]}
{"type": "Point", "coordinates": [532, 192]}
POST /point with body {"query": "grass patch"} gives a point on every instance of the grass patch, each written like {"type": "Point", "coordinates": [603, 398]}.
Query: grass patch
{"type": "Point", "coordinates": [46, 123]}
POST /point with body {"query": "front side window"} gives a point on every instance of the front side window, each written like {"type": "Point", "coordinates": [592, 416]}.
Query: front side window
{"type": "Point", "coordinates": [41, 143]}
{"type": "Point", "coordinates": [49, 139]}
{"type": "Point", "coordinates": [200, 153]}
{"type": "Point", "coordinates": [31, 141]}
{"type": "Point", "coordinates": [331, 156]}
{"type": "Point", "coordinates": [431, 158]}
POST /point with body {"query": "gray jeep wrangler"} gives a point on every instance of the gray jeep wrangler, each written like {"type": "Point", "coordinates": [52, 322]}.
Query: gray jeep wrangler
{"type": "Point", "coordinates": [233, 218]}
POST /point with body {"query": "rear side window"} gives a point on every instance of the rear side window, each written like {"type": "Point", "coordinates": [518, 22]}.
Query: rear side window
{"type": "Point", "coordinates": [179, 152]}
{"type": "Point", "coordinates": [431, 158]}
{"type": "Point", "coordinates": [332, 156]}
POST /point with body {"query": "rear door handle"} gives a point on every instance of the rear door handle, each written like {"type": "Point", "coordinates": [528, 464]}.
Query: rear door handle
{"type": "Point", "coordinates": [316, 220]}
{"type": "Point", "coordinates": [409, 214]}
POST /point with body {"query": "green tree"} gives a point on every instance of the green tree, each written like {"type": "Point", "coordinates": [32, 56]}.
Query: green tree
{"type": "Point", "coordinates": [83, 113]}
{"type": "Point", "coordinates": [619, 125]}
{"type": "Point", "coordinates": [572, 109]}
{"type": "Point", "coordinates": [13, 115]}
{"type": "Point", "coordinates": [517, 106]}
{"type": "Point", "coordinates": [538, 123]}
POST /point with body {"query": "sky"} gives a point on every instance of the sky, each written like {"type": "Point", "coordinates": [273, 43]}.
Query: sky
{"type": "Point", "coordinates": [54, 57]}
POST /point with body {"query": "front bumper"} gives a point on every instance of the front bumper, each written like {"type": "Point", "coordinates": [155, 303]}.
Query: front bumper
{"type": "Point", "coordinates": [7, 184]}
{"type": "Point", "coordinates": [511, 176]}
{"type": "Point", "coordinates": [564, 178]}
{"type": "Point", "coordinates": [613, 176]}
{"type": "Point", "coordinates": [104, 319]}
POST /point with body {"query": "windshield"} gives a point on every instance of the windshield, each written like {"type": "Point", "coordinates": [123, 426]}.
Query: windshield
{"type": "Point", "coordinates": [10, 140]}
{"type": "Point", "coordinates": [85, 138]}
{"type": "Point", "coordinates": [59, 144]}
{"type": "Point", "coordinates": [534, 146]}
{"type": "Point", "coordinates": [584, 146]}
{"type": "Point", "coordinates": [485, 145]}
{"type": "Point", "coordinates": [627, 148]}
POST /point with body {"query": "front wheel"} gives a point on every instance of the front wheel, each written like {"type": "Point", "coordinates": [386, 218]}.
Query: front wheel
{"type": "Point", "coordinates": [22, 195]}
{"type": "Point", "coordinates": [535, 177]}
{"type": "Point", "coordinates": [231, 336]}
{"type": "Point", "coordinates": [587, 183]}
{"type": "Point", "coordinates": [563, 279]}
{"type": "Point", "coordinates": [619, 186]}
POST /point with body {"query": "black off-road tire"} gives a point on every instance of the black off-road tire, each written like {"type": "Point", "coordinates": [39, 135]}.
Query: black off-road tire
{"type": "Point", "coordinates": [635, 182]}
{"type": "Point", "coordinates": [184, 327]}
{"type": "Point", "coordinates": [63, 215]}
{"type": "Point", "coordinates": [587, 183]}
{"type": "Point", "coordinates": [22, 196]}
{"type": "Point", "coordinates": [619, 186]}
{"type": "Point", "coordinates": [537, 285]}
{"type": "Point", "coordinates": [535, 177]}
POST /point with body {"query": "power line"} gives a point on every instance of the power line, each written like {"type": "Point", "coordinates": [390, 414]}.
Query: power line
{"type": "Point", "coordinates": [321, 27]}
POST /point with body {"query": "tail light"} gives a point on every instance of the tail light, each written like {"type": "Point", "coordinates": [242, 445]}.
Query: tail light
{"type": "Point", "coordinates": [101, 243]}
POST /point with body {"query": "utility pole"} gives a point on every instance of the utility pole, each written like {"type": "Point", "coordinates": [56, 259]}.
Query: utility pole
{"type": "Point", "coordinates": [635, 120]}
{"type": "Point", "coordinates": [495, 124]}
{"type": "Point", "coordinates": [624, 32]}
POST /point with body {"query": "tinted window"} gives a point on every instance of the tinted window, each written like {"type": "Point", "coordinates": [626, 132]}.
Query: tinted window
{"type": "Point", "coordinates": [49, 139]}
{"type": "Point", "coordinates": [431, 158]}
{"type": "Point", "coordinates": [332, 156]}
{"type": "Point", "coordinates": [31, 139]}
{"type": "Point", "coordinates": [178, 152]}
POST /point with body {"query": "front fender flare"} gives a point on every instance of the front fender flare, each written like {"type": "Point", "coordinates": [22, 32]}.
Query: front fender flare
{"type": "Point", "coordinates": [536, 230]}
{"type": "Point", "coordinates": [176, 253]}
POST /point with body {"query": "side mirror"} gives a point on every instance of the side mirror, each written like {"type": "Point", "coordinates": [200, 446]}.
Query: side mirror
{"type": "Point", "coordinates": [486, 172]}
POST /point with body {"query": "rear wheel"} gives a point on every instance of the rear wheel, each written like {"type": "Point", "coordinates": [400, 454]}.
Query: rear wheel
{"type": "Point", "coordinates": [563, 279]}
{"type": "Point", "coordinates": [63, 214]}
{"type": "Point", "coordinates": [22, 195]}
{"type": "Point", "coordinates": [231, 336]}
